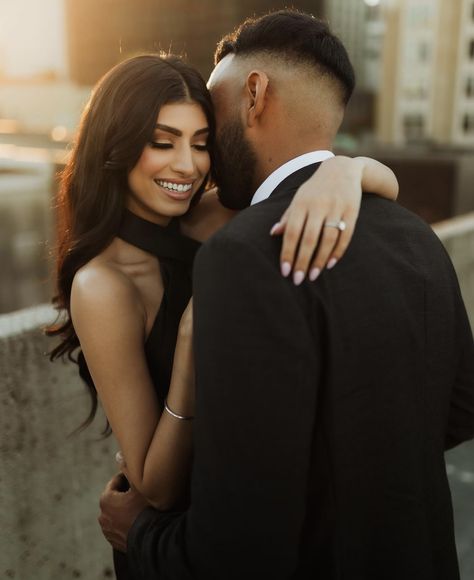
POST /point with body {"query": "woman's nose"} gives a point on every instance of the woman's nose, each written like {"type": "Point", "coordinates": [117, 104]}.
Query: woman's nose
{"type": "Point", "coordinates": [184, 161]}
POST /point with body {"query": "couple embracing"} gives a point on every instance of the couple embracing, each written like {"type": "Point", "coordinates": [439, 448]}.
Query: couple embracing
{"type": "Point", "coordinates": [315, 395]}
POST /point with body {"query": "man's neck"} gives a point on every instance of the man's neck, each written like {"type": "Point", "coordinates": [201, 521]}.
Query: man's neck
{"type": "Point", "coordinates": [269, 184]}
{"type": "Point", "coordinates": [275, 157]}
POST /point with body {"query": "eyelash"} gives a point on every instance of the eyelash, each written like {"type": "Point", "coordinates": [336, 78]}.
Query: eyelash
{"type": "Point", "coordinates": [156, 145]}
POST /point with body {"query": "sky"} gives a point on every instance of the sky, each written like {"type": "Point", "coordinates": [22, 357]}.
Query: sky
{"type": "Point", "coordinates": [32, 37]}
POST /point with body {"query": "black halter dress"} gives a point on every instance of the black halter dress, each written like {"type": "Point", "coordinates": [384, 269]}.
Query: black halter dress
{"type": "Point", "coordinates": [175, 253]}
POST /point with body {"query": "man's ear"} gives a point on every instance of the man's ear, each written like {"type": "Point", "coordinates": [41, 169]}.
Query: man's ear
{"type": "Point", "coordinates": [256, 91]}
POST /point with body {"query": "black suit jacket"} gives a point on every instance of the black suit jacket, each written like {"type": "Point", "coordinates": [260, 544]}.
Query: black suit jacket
{"type": "Point", "coordinates": [323, 411]}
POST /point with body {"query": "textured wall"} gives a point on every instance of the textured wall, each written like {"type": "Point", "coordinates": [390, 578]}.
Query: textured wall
{"type": "Point", "coordinates": [49, 483]}
{"type": "Point", "coordinates": [457, 235]}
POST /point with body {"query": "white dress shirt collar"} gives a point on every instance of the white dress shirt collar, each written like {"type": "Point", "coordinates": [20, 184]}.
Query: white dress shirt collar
{"type": "Point", "coordinates": [285, 170]}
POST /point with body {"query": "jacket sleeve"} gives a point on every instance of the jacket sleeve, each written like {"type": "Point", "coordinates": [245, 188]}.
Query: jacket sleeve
{"type": "Point", "coordinates": [257, 371]}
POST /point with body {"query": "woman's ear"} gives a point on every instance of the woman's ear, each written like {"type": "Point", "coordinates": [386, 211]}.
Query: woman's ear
{"type": "Point", "coordinates": [256, 91]}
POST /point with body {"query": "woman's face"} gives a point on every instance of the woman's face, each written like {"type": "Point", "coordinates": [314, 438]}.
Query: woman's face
{"type": "Point", "coordinates": [173, 166]}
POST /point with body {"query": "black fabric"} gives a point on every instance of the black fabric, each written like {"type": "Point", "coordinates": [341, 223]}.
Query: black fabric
{"type": "Point", "coordinates": [176, 255]}
{"type": "Point", "coordinates": [322, 411]}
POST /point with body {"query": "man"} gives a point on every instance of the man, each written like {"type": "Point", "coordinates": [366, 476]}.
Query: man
{"type": "Point", "coordinates": [323, 410]}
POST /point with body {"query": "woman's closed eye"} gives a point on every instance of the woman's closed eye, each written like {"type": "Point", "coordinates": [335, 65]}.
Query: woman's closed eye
{"type": "Point", "coordinates": [167, 145]}
{"type": "Point", "coordinates": [160, 145]}
{"type": "Point", "coordinates": [201, 146]}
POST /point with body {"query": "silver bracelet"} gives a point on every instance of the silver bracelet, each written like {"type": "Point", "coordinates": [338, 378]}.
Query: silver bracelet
{"type": "Point", "coordinates": [175, 415]}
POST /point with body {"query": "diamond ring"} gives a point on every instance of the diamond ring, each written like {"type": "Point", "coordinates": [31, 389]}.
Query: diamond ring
{"type": "Point", "coordinates": [340, 225]}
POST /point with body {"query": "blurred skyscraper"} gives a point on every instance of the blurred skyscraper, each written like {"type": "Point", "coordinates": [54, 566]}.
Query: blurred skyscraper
{"type": "Point", "coordinates": [103, 32]}
{"type": "Point", "coordinates": [427, 88]}
{"type": "Point", "coordinates": [360, 27]}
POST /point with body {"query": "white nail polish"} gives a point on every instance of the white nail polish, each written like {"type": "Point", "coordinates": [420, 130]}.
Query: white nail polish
{"type": "Point", "coordinates": [314, 274]}
{"type": "Point", "coordinates": [332, 262]}
{"type": "Point", "coordinates": [298, 277]}
{"type": "Point", "coordinates": [274, 228]}
{"type": "Point", "coordinates": [285, 269]}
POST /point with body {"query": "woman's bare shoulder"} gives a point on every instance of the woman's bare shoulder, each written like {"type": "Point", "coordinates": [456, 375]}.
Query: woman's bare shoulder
{"type": "Point", "coordinates": [101, 292]}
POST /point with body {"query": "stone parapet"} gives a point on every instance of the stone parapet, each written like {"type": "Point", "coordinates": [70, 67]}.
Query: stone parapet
{"type": "Point", "coordinates": [49, 482]}
{"type": "Point", "coordinates": [457, 235]}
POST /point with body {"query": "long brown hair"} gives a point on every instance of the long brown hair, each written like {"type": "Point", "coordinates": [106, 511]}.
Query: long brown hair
{"type": "Point", "coordinates": [116, 125]}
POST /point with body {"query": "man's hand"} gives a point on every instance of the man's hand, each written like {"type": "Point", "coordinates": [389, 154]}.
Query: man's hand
{"type": "Point", "coordinates": [118, 510]}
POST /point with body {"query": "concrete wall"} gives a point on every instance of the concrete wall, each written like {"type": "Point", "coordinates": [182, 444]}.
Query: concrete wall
{"type": "Point", "coordinates": [457, 235]}
{"type": "Point", "coordinates": [50, 484]}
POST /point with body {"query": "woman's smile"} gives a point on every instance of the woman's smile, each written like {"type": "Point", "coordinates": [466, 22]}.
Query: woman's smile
{"type": "Point", "coordinates": [176, 190]}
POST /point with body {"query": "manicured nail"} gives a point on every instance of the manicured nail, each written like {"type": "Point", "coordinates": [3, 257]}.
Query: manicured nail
{"type": "Point", "coordinates": [285, 269]}
{"type": "Point", "coordinates": [332, 262]}
{"type": "Point", "coordinates": [314, 274]}
{"type": "Point", "coordinates": [298, 277]}
{"type": "Point", "coordinates": [274, 228]}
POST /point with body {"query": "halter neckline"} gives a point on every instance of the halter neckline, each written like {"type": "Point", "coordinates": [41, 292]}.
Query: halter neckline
{"type": "Point", "coordinates": [162, 241]}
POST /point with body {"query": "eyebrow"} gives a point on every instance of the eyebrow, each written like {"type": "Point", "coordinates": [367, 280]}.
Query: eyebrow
{"type": "Point", "coordinates": [177, 132]}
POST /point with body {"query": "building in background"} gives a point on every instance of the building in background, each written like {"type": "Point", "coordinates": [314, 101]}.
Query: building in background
{"type": "Point", "coordinates": [103, 32]}
{"type": "Point", "coordinates": [356, 24]}
{"type": "Point", "coordinates": [359, 24]}
{"type": "Point", "coordinates": [427, 84]}
{"type": "Point", "coordinates": [51, 53]}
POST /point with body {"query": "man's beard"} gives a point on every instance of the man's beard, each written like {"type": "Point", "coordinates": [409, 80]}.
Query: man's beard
{"type": "Point", "coordinates": [236, 163]}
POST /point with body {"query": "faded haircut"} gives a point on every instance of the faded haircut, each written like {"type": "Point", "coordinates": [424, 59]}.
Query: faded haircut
{"type": "Point", "coordinates": [292, 37]}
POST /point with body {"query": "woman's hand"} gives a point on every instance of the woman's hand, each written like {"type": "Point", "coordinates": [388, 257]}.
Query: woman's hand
{"type": "Point", "coordinates": [323, 213]}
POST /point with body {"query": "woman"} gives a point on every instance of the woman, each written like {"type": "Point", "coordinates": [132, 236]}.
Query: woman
{"type": "Point", "coordinates": [142, 159]}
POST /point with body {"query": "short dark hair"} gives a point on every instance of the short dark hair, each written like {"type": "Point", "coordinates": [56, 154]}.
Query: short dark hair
{"type": "Point", "coordinates": [296, 36]}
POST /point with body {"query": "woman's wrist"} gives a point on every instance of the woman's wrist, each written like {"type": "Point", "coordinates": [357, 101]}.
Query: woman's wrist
{"type": "Point", "coordinates": [378, 178]}
{"type": "Point", "coordinates": [349, 168]}
{"type": "Point", "coordinates": [180, 405]}
{"type": "Point", "coordinates": [175, 414]}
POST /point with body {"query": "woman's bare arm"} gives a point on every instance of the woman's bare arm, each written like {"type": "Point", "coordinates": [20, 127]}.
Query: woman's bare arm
{"type": "Point", "coordinates": [332, 193]}
{"type": "Point", "coordinates": [110, 325]}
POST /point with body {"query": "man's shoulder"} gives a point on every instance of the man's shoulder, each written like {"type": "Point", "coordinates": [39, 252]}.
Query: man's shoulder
{"type": "Point", "coordinates": [392, 239]}
{"type": "Point", "coordinates": [251, 227]}
{"type": "Point", "coordinates": [384, 216]}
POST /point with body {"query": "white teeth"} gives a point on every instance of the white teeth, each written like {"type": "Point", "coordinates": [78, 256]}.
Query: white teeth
{"type": "Point", "coordinates": [174, 186]}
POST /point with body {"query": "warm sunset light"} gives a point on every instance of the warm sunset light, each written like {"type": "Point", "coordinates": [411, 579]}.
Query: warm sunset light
{"type": "Point", "coordinates": [32, 38]}
{"type": "Point", "coordinates": [59, 133]}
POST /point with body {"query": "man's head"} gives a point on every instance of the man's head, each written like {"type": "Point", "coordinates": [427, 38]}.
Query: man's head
{"type": "Point", "coordinates": [280, 87]}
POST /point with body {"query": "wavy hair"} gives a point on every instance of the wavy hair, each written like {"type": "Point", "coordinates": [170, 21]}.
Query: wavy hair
{"type": "Point", "coordinates": [116, 125]}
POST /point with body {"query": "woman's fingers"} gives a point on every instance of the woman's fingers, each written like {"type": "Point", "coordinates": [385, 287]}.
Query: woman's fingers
{"type": "Point", "coordinates": [280, 225]}
{"type": "Point", "coordinates": [294, 228]}
{"type": "Point", "coordinates": [333, 244]}
{"type": "Point", "coordinates": [308, 243]}
{"type": "Point", "coordinates": [345, 237]}
{"type": "Point", "coordinates": [324, 257]}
